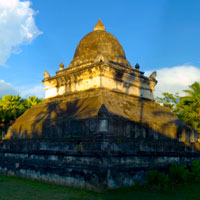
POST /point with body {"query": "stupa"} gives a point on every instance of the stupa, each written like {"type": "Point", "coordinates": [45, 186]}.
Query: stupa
{"type": "Point", "coordinates": [99, 126]}
{"type": "Point", "coordinates": [99, 63]}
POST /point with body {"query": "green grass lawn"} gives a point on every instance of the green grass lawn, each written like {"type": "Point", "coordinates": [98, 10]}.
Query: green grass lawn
{"type": "Point", "coordinates": [13, 188]}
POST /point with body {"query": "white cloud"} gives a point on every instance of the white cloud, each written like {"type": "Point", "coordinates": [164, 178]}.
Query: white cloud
{"type": "Point", "coordinates": [17, 26]}
{"type": "Point", "coordinates": [37, 90]}
{"type": "Point", "coordinates": [176, 79]}
{"type": "Point", "coordinates": [24, 92]}
{"type": "Point", "coordinates": [7, 88]}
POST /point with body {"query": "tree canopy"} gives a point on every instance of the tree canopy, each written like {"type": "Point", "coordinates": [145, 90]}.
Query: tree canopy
{"type": "Point", "coordinates": [12, 107]}
{"type": "Point", "coordinates": [187, 107]}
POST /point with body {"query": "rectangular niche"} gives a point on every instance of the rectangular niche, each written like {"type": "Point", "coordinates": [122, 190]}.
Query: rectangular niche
{"type": "Point", "coordinates": [103, 125]}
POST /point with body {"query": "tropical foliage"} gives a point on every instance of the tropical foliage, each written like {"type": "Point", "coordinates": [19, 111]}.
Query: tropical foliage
{"type": "Point", "coordinates": [175, 175]}
{"type": "Point", "coordinates": [187, 107]}
{"type": "Point", "coordinates": [12, 107]}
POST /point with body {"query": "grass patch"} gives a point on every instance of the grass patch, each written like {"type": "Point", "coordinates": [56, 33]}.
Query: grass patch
{"type": "Point", "coordinates": [14, 188]}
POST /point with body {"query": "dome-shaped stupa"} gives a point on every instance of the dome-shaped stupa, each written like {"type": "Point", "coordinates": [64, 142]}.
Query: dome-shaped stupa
{"type": "Point", "coordinates": [99, 63]}
{"type": "Point", "coordinates": [99, 42]}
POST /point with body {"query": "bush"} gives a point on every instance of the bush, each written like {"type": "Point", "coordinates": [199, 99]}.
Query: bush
{"type": "Point", "coordinates": [195, 172]}
{"type": "Point", "coordinates": [157, 180]}
{"type": "Point", "coordinates": [178, 174]}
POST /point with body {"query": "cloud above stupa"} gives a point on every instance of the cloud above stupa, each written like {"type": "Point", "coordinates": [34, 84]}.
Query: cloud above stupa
{"type": "Point", "coordinates": [17, 27]}
{"type": "Point", "coordinates": [176, 79]}
{"type": "Point", "coordinates": [23, 91]}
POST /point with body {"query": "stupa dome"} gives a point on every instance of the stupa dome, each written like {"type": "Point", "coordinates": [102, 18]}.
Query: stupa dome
{"type": "Point", "coordinates": [99, 42]}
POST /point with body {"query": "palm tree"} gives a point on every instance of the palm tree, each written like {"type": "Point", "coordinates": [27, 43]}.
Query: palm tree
{"type": "Point", "coordinates": [193, 95]}
{"type": "Point", "coordinates": [32, 101]}
{"type": "Point", "coordinates": [189, 106]}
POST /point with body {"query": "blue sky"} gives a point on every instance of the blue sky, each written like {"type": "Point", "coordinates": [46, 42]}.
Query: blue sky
{"type": "Point", "coordinates": [161, 35]}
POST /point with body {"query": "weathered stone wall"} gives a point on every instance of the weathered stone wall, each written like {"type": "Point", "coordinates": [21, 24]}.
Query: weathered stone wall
{"type": "Point", "coordinates": [103, 164]}
{"type": "Point", "coordinates": [116, 152]}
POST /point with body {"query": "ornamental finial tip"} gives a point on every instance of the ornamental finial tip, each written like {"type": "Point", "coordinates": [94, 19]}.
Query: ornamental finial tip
{"type": "Point", "coordinates": [99, 26]}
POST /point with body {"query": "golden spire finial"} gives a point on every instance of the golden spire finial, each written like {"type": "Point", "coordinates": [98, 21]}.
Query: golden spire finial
{"type": "Point", "coordinates": [99, 26]}
{"type": "Point", "coordinates": [61, 66]}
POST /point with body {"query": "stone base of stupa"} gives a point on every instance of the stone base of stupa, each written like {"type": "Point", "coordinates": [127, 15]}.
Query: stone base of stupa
{"type": "Point", "coordinates": [122, 138]}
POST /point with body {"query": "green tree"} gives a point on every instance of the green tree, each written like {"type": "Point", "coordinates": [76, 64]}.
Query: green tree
{"type": "Point", "coordinates": [12, 107]}
{"type": "Point", "coordinates": [187, 107]}
{"type": "Point", "coordinates": [32, 101]}
{"type": "Point", "coordinates": [169, 100]}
